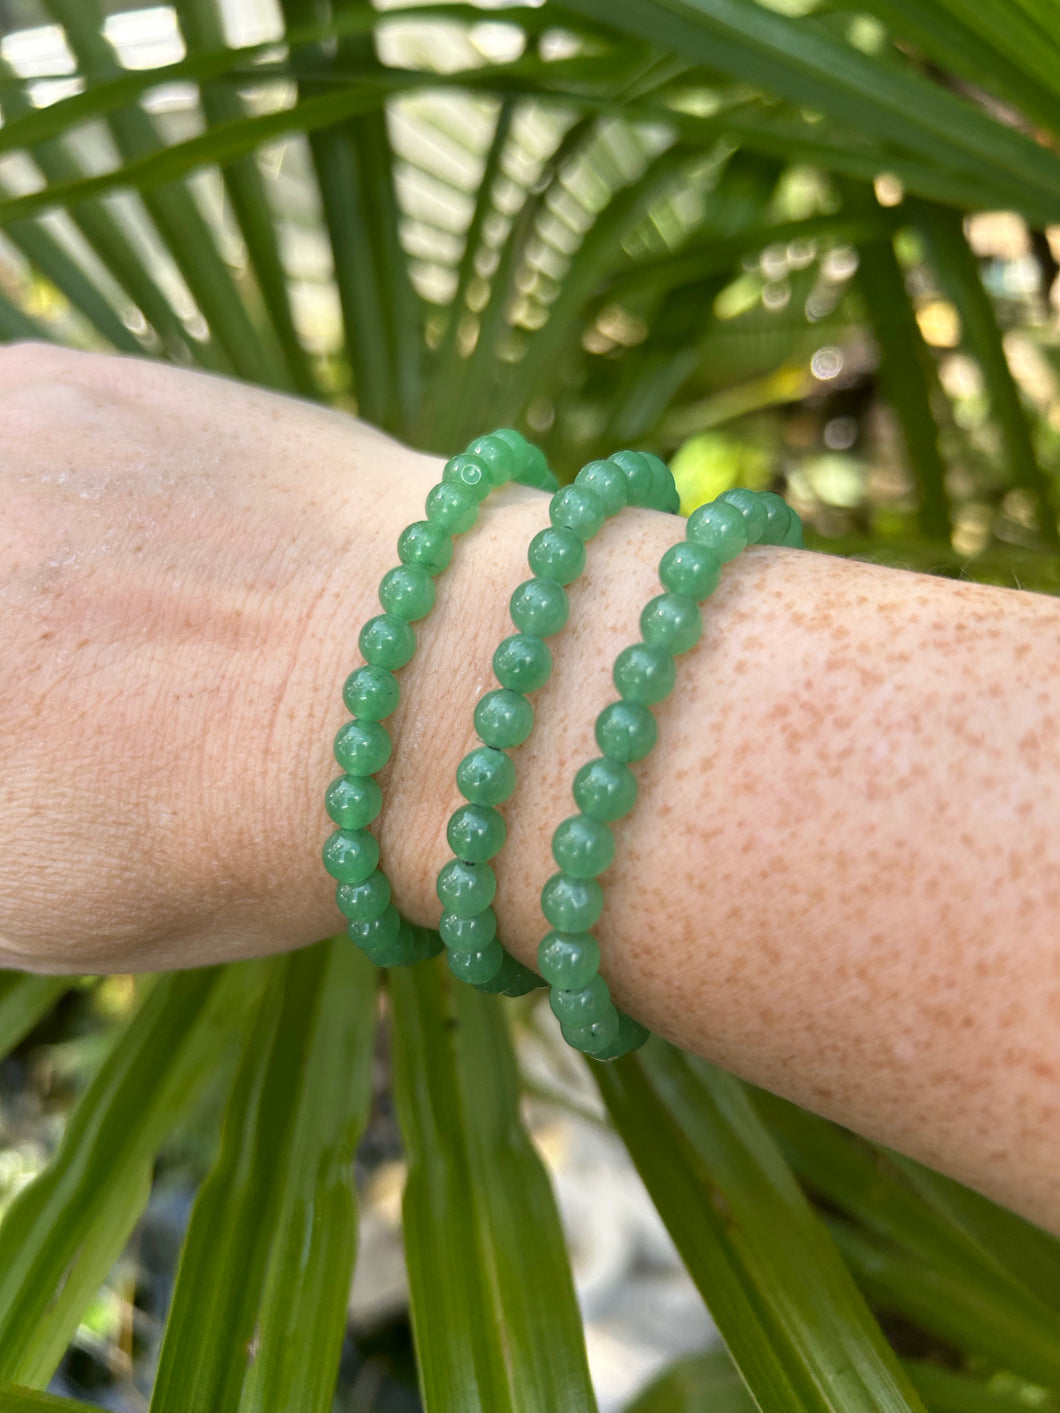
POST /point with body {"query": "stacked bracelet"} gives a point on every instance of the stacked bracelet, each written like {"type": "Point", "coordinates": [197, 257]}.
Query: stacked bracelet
{"type": "Point", "coordinates": [387, 643]}
{"type": "Point", "coordinates": [504, 717]}
{"type": "Point", "coordinates": [605, 789]}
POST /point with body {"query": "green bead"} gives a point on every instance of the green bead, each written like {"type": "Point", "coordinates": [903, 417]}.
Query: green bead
{"type": "Point", "coordinates": [426, 545]}
{"type": "Point", "coordinates": [452, 508]}
{"type": "Point", "coordinates": [539, 606]}
{"type": "Point", "coordinates": [671, 622]}
{"type": "Point", "coordinates": [638, 473]}
{"type": "Point", "coordinates": [537, 472]}
{"type": "Point", "coordinates": [468, 934]}
{"type": "Point", "coordinates": [476, 833]}
{"type": "Point", "coordinates": [568, 959]}
{"type": "Point", "coordinates": [583, 847]}
{"type": "Point", "coordinates": [557, 553]}
{"type": "Point", "coordinates": [477, 967]}
{"type": "Point", "coordinates": [378, 932]}
{"type": "Point", "coordinates": [387, 641]}
{"type": "Point", "coordinates": [407, 592]}
{"type": "Point", "coordinates": [362, 747]}
{"type": "Point", "coordinates": [720, 527]}
{"type": "Point", "coordinates": [466, 888]}
{"type": "Point", "coordinates": [607, 482]}
{"type": "Point", "coordinates": [513, 979]}
{"type": "Point", "coordinates": [469, 473]}
{"type": "Point", "coordinates": [626, 731]}
{"type": "Point", "coordinates": [486, 776]}
{"type": "Point", "coordinates": [644, 674]}
{"type": "Point", "coordinates": [631, 1036]}
{"type": "Point", "coordinates": [525, 981]}
{"type": "Point", "coordinates": [572, 904]}
{"type": "Point", "coordinates": [591, 1039]}
{"type": "Point", "coordinates": [365, 901]}
{"type": "Point", "coordinates": [690, 570]}
{"type": "Point", "coordinates": [428, 944]}
{"type": "Point", "coordinates": [582, 1007]}
{"type": "Point", "coordinates": [605, 789]}
{"type": "Point", "coordinates": [522, 662]}
{"type": "Point", "coordinates": [793, 538]}
{"type": "Point", "coordinates": [371, 693]}
{"type": "Point", "coordinates": [401, 949]}
{"type": "Point", "coordinates": [750, 506]}
{"type": "Point", "coordinates": [353, 801]}
{"type": "Point", "coordinates": [664, 493]}
{"type": "Point", "coordinates": [580, 511]}
{"type": "Point", "coordinates": [519, 447]}
{"type": "Point", "coordinates": [350, 855]}
{"type": "Point", "coordinates": [504, 718]}
{"type": "Point", "coordinates": [499, 458]}
{"type": "Point", "coordinates": [778, 517]}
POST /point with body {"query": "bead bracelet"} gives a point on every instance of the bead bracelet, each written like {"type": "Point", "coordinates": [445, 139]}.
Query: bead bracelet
{"type": "Point", "coordinates": [504, 717]}
{"type": "Point", "coordinates": [605, 789]}
{"type": "Point", "coordinates": [387, 643]}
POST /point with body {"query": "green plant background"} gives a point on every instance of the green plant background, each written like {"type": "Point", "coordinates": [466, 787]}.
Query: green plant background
{"type": "Point", "coordinates": [798, 245]}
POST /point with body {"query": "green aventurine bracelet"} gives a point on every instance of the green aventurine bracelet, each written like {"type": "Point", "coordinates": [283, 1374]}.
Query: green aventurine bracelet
{"type": "Point", "coordinates": [387, 642]}
{"type": "Point", "coordinates": [605, 789]}
{"type": "Point", "coordinates": [504, 717]}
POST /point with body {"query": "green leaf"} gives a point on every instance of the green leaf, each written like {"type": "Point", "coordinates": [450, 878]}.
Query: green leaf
{"type": "Point", "coordinates": [259, 1307]}
{"type": "Point", "coordinates": [64, 1230]}
{"type": "Point", "coordinates": [794, 1322]}
{"type": "Point", "coordinates": [15, 1399]}
{"type": "Point", "coordinates": [704, 1383]}
{"type": "Point", "coordinates": [495, 1320]}
{"type": "Point", "coordinates": [946, 1391]}
{"type": "Point", "coordinates": [24, 999]}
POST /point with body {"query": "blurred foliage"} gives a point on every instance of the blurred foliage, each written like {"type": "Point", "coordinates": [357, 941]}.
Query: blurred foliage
{"type": "Point", "coordinates": [810, 247]}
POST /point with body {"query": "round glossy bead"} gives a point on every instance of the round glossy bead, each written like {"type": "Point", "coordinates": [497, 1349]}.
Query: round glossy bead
{"type": "Point", "coordinates": [671, 622]}
{"type": "Point", "coordinates": [537, 472]}
{"type": "Point", "coordinates": [523, 981]}
{"type": "Point", "coordinates": [504, 718]}
{"type": "Point", "coordinates": [557, 553]}
{"type": "Point", "coordinates": [539, 606]}
{"type": "Point", "coordinates": [469, 473]}
{"type": "Point", "coordinates": [477, 967]}
{"type": "Point", "coordinates": [427, 944]}
{"type": "Point", "coordinates": [522, 662]}
{"type": "Point", "coordinates": [362, 747]}
{"type": "Point", "coordinates": [513, 979]}
{"type": "Point", "coordinates": [364, 902]}
{"type": "Point", "coordinates": [399, 951]}
{"type": "Point", "coordinates": [605, 789]}
{"type": "Point", "coordinates": [426, 545]}
{"type": "Point", "coordinates": [572, 904]}
{"type": "Point", "coordinates": [644, 674]}
{"type": "Point", "coordinates": [371, 692]}
{"type": "Point", "coordinates": [387, 641]}
{"type": "Point", "coordinates": [377, 932]}
{"type": "Point", "coordinates": [583, 847]}
{"type": "Point", "coordinates": [665, 495]}
{"type": "Point", "coordinates": [690, 570]}
{"type": "Point", "coordinates": [720, 527]}
{"type": "Point", "coordinates": [468, 934]}
{"type": "Point", "coordinates": [452, 508]}
{"type": "Point", "coordinates": [520, 449]}
{"type": "Point", "coordinates": [638, 473]}
{"type": "Point", "coordinates": [407, 592]}
{"type": "Point", "coordinates": [582, 1007]}
{"type": "Point", "coordinates": [750, 506]}
{"type": "Point", "coordinates": [350, 855]}
{"type": "Point", "coordinates": [475, 833]}
{"type": "Point", "coordinates": [580, 511]}
{"type": "Point", "coordinates": [466, 888]}
{"type": "Point", "coordinates": [793, 538]}
{"type": "Point", "coordinates": [569, 960]}
{"type": "Point", "coordinates": [353, 801]}
{"type": "Point", "coordinates": [499, 458]}
{"type": "Point", "coordinates": [486, 776]}
{"type": "Point", "coordinates": [778, 518]}
{"type": "Point", "coordinates": [631, 1036]}
{"type": "Point", "coordinates": [626, 731]}
{"type": "Point", "coordinates": [591, 1038]}
{"type": "Point", "coordinates": [607, 482]}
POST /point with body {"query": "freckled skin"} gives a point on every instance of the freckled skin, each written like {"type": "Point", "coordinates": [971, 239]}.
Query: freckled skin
{"type": "Point", "coordinates": [842, 877]}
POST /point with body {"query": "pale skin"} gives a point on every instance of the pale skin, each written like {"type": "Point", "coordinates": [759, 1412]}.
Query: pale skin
{"type": "Point", "coordinates": [842, 877]}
